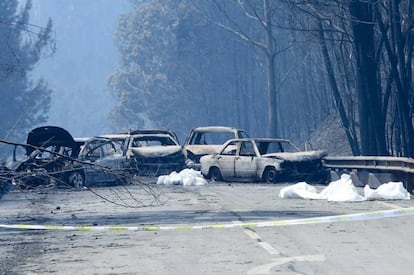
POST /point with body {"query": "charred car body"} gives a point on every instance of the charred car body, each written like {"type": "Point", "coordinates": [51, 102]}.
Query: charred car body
{"type": "Point", "coordinates": [154, 153]}
{"type": "Point", "coordinates": [208, 140]}
{"type": "Point", "coordinates": [139, 152]}
{"type": "Point", "coordinates": [49, 156]}
{"type": "Point", "coordinates": [103, 161]}
{"type": "Point", "coordinates": [268, 160]}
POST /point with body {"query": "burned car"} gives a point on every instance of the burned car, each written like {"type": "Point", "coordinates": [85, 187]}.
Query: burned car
{"type": "Point", "coordinates": [104, 161]}
{"type": "Point", "coordinates": [264, 159]}
{"type": "Point", "coordinates": [154, 153]}
{"type": "Point", "coordinates": [48, 157]}
{"type": "Point", "coordinates": [208, 140]}
{"type": "Point", "coordinates": [138, 152]}
{"type": "Point", "coordinates": [154, 132]}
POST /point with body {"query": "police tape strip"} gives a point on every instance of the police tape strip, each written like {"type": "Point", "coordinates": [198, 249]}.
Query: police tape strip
{"type": "Point", "coordinates": [400, 212]}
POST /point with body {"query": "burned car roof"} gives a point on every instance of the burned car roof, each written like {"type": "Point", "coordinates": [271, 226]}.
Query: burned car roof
{"type": "Point", "coordinates": [153, 131]}
{"type": "Point", "coordinates": [115, 136]}
{"type": "Point", "coordinates": [216, 129]}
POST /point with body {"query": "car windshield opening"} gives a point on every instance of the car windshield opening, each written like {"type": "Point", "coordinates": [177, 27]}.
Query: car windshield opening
{"type": "Point", "coordinates": [152, 141]}
{"type": "Point", "coordinates": [269, 147]}
{"type": "Point", "coordinates": [211, 138]}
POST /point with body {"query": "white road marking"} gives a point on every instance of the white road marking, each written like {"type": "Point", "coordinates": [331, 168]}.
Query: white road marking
{"type": "Point", "coordinates": [391, 205]}
{"type": "Point", "coordinates": [266, 246]}
{"type": "Point", "coordinates": [254, 236]}
{"type": "Point", "coordinates": [266, 268]}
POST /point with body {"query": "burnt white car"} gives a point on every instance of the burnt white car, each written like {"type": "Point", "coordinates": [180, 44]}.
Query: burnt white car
{"type": "Point", "coordinates": [264, 159]}
{"type": "Point", "coordinates": [208, 140]}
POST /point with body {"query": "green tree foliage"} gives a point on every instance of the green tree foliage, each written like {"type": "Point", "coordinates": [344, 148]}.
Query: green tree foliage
{"type": "Point", "coordinates": [24, 103]}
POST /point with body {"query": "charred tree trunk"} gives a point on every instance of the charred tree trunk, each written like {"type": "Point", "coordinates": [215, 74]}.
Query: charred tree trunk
{"type": "Point", "coordinates": [401, 67]}
{"type": "Point", "coordinates": [352, 139]}
{"type": "Point", "coordinates": [399, 50]}
{"type": "Point", "coordinates": [372, 126]}
{"type": "Point", "coordinates": [273, 129]}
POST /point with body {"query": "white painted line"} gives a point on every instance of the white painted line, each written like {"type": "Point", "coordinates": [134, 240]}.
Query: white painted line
{"type": "Point", "coordinates": [266, 268]}
{"type": "Point", "coordinates": [254, 236]}
{"type": "Point", "coordinates": [266, 246]}
{"type": "Point", "coordinates": [391, 205]}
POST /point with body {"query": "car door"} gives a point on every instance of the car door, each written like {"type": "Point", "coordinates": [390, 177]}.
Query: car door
{"type": "Point", "coordinates": [225, 160]}
{"type": "Point", "coordinates": [245, 164]}
{"type": "Point", "coordinates": [102, 156]}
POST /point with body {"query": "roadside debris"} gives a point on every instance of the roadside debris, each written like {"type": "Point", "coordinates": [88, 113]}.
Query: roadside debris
{"type": "Point", "coordinates": [387, 191]}
{"type": "Point", "coordinates": [343, 189]}
{"type": "Point", "coordinates": [184, 177]}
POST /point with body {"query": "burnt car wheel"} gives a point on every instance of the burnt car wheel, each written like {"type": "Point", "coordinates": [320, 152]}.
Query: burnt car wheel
{"type": "Point", "coordinates": [76, 179]}
{"type": "Point", "coordinates": [270, 175]}
{"type": "Point", "coordinates": [215, 174]}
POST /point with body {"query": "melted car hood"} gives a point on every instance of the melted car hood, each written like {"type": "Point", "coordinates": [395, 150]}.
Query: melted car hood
{"type": "Point", "coordinates": [50, 136]}
{"type": "Point", "coordinates": [155, 151]}
{"type": "Point", "coordinates": [298, 156]}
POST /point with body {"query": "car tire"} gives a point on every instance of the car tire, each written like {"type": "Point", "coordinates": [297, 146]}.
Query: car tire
{"type": "Point", "coordinates": [215, 174]}
{"type": "Point", "coordinates": [76, 179]}
{"type": "Point", "coordinates": [270, 175]}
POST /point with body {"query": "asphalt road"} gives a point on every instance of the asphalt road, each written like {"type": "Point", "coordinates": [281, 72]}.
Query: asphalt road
{"type": "Point", "coordinates": [383, 246]}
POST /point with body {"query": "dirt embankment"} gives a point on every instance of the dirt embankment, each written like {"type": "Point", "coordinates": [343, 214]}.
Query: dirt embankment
{"type": "Point", "coordinates": [330, 136]}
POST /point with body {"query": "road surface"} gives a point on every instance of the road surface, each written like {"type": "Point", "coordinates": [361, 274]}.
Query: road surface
{"type": "Point", "coordinates": [382, 246]}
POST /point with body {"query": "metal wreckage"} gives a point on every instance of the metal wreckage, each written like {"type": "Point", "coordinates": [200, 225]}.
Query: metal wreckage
{"type": "Point", "coordinates": [51, 156]}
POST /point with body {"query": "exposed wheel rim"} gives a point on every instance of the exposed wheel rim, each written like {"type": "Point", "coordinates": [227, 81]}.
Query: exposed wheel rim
{"type": "Point", "coordinates": [215, 174]}
{"type": "Point", "coordinates": [271, 176]}
{"type": "Point", "coordinates": [76, 179]}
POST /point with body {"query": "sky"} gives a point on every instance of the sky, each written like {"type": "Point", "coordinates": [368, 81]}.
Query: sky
{"type": "Point", "coordinates": [86, 55]}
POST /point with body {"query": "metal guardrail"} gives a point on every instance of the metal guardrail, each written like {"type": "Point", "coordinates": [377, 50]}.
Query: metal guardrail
{"type": "Point", "coordinates": [401, 168]}
{"type": "Point", "coordinates": [379, 163]}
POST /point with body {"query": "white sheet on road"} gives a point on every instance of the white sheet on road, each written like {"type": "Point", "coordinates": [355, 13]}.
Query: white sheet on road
{"type": "Point", "coordinates": [344, 190]}
{"type": "Point", "coordinates": [184, 177]}
{"type": "Point", "coordinates": [388, 191]}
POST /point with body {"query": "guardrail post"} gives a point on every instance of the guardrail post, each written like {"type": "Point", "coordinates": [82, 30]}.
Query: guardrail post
{"type": "Point", "coordinates": [409, 182]}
